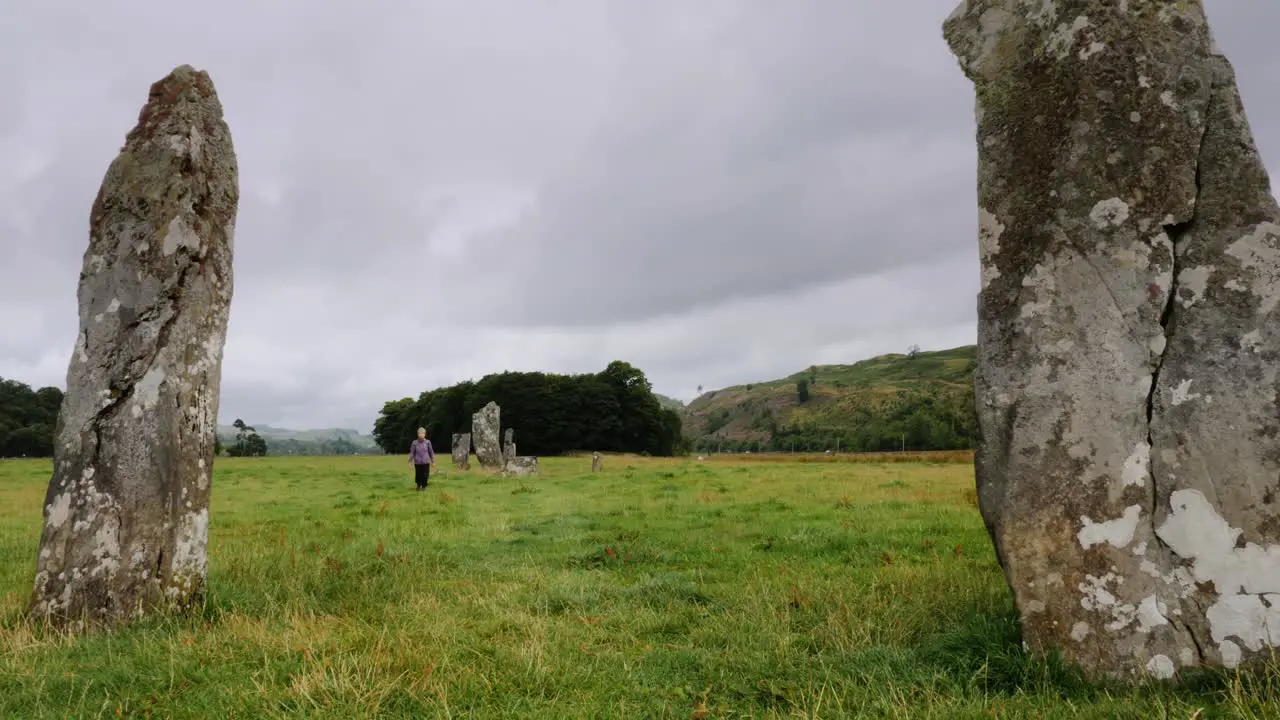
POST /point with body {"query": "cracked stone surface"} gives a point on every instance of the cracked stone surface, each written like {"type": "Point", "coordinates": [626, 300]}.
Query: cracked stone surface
{"type": "Point", "coordinates": [126, 516]}
{"type": "Point", "coordinates": [1127, 334]}
{"type": "Point", "coordinates": [484, 433]}
{"type": "Point", "coordinates": [462, 451]}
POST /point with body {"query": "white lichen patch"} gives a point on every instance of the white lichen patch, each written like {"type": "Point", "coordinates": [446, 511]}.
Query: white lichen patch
{"type": "Point", "coordinates": [1252, 341]}
{"type": "Point", "coordinates": [1117, 533]}
{"type": "Point", "coordinates": [1064, 37]}
{"type": "Point", "coordinates": [1135, 256]}
{"type": "Point", "coordinates": [147, 390]}
{"type": "Point", "coordinates": [989, 231]}
{"type": "Point", "coordinates": [1109, 213]}
{"type": "Point", "coordinates": [1231, 654]}
{"type": "Point", "coordinates": [180, 234]}
{"type": "Point", "coordinates": [1182, 393]}
{"type": "Point", "coordinates": [1161, 667]}
{"type": "Point", "coordinates": [1151, 614]}
{"type": "Point", "coordinates": [1194, 280]}
{"type": "Point", "coordinates": [1167, 99]}
{"type": "Point", "coordinates": [1093, 48]}
{"type": "Point", "coordinates": [1257, 252]}
{"type": "Point", "coordinates": [1095, 593]}
{"type": "Point", "coordinates": [1033, 606]}
{"type": "Point", "coordinates": [1137, 467]}
{"type": "Point", "coordinates": [59, 510]}
{"type": "Point", "coordinates": [1195, 531]}
{"type": "Point", "coordinates": [1157, 344]}
{"type": "Point", "coordinates": [106, 545]}
{"type": "Point", "coordinates": [1242, 576]}
{"type": "Point", "coordinates": [1080, 631]}
{"type": "Point", "coordinates": [190, 544]}
{"type": "Point", "coordinates": [1246, 618]}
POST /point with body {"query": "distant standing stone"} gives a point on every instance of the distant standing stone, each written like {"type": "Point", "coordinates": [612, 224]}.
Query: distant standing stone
{"type": "Point", "coordinates": [462, 451]}
{"type": "Point", "coordinates": [126, 516]}
{"type": "Point", "coordinates": [484, 433]}
{"type": "Point", "coordinates": [508, 444]}
{"type": "Point", "coordinates": [597, 462]}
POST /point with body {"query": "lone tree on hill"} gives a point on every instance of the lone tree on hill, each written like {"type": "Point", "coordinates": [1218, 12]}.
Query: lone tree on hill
{"type": "Point", "coordinates": [248, 442]}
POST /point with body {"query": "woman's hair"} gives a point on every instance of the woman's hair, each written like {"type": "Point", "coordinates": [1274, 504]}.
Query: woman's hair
{"type": "Point", "coordinates": [422, 430]}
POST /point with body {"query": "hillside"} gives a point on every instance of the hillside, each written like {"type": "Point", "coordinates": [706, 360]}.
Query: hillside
{"type": "Point", "coordinates": [923, 402]}
{"type": "Point", "coordinates": [282, 441]}
{"type": "Point", "coordinates": [669, 402]}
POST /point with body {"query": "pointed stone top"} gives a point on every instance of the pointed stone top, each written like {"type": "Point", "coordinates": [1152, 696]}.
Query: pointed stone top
{"type": "Point", "coordinates": [184, 95]}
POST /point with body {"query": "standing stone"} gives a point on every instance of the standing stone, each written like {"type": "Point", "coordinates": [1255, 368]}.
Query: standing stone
{"type": "Point", "coordinates": [484, 433]}
{"type": "Point", "coordinates": [462, 451]}
{"type": "Point", "coordinates": [521, 466]}
{"type": "Point", "coordinates": [126, 517]}
{"type": "Point", "coordinates": [597, 462]}
{"type": "Point", "coordinates": [1128, 334]}
{"type": "Point", "coordinates": [508, 444]}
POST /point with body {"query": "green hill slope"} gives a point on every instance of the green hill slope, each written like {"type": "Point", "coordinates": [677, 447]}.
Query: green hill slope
{"type": "Point", "coordinates": [923, 402]}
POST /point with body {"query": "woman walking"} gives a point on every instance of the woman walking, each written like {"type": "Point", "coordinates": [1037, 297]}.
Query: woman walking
{"type": "Point", "coordinates": [421, 457]}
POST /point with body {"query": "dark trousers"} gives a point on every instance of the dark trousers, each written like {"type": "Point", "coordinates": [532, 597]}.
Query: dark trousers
{"type": "Point", "coordinates": [421, 473]}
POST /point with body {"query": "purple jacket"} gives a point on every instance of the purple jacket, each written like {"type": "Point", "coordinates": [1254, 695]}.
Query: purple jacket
{"type": "Point", "coordinates": [421, 452]}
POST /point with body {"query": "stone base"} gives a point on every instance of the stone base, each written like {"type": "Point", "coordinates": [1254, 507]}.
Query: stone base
{"type": "Point", "coordinates": [521, 466]}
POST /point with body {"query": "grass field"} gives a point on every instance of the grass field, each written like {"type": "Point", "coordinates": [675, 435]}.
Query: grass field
{"type": "Point", "coordinates": [659, 588]}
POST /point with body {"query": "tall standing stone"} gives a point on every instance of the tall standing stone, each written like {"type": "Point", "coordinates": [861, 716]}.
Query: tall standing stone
{"type": "Point", "coordinates": [508, 444]}
{"type": "Point", "coordinates": [1128, 334]}
{"type": "Point", "coordinates": [484, 433]}
{"type": "Point", "coordinates": [597, 462]}
{"type": "Point", "coordinates": [126, 517]}
{"type": "Point", "coordinates": [462, 451]}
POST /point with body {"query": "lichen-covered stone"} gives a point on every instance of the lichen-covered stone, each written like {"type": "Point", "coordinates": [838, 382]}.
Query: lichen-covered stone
{"type": "Point", "coordinates": [1127, 334]}
{"type": "Point", "coordinates": [484, 433]}
{"type": "Point", "coordinates": [462, 451]}
{"type": "Point", "coordinates": [597, 462]}
{"type": "Point", "coordinates": [521, 466]}
{"type": "Point", "coordinates": [126, 516]}
{"type": "Point", "coordinates": [508, 444]}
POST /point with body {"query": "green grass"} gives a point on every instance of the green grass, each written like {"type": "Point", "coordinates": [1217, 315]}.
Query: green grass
{"type": "Point", "coordinates": [658, 588]}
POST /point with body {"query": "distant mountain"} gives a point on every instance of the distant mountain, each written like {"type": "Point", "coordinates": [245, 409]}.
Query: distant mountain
{"type": "Point", "coordinates": [280, 435]}
{"type": "Point", "coordinates": [921, 400]}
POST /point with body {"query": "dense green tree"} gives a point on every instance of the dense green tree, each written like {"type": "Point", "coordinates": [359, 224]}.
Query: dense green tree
{"type": "Point", "coordinates": [28, 419]}
{"type": "Point", "coordinates": [802, 391]}
{"type": "Point", "coordinates": [613, 410]}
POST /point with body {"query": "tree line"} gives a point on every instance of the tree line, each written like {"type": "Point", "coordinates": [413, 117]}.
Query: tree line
{"type": "Point", "coordinates": [614, 410]}
{"type": "Point", "coordinates": [28, 419]}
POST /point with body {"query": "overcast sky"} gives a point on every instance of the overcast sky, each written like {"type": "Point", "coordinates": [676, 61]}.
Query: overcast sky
{"type": "Point", "coordinates": [718, 191]}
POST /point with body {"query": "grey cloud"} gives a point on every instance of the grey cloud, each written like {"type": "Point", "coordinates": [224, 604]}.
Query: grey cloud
{"type": "Point", "coordinates": [742, 160]}
{"type": "Point", "coordinates": [719, 192]}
